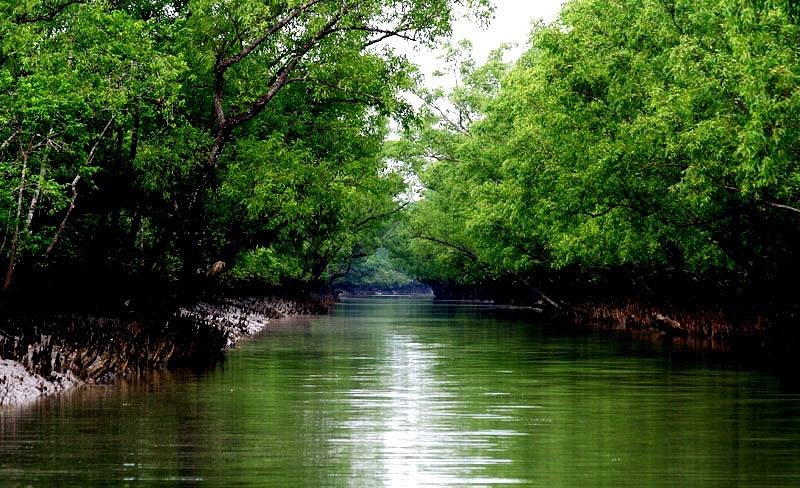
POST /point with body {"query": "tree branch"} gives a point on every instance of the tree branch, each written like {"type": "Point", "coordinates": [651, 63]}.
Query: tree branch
{"type": "Point", "coordinates": [350, 260]}
{"type": "Point", "coordinates": [223, 63]}
{"type": "Point", "coordinates": [457, 126]}
{"type": "Point", "coordinates": [611, 208]}
{"type": "Point", "coordinates": [380, 216]}
{"type": "Point", "coordinates": [670, 8]}
{"type": "Point", "coordinates": [10, 139]}
{"type": "Point", "coordinates": [226, 63]}
{"type": "Point", "coordinates": [463, 250]}
{"type": "Point", "coordinates": [50, 15]}
{"type": "Point", "coordinates": [74, 187]}
{"type": "Point", "coordinates": [282, 77]}
{"type": "Point", "coordinates": [782, 206]}
{"type": "Point", "coordinates": [387, 33]}
{"type": "Point", "coordinates": [541, 294]}
{"type": "Point", "coordinates": [35, 198]}
{"type": "Point", "coordinates": [769, 203]}
{"type": "Point", "coordinates": [373, 98]}
{"type": "Point", "coordinates": [6, 231]}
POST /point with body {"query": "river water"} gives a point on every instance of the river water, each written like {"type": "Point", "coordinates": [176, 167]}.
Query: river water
{"type": "Point", "coordinates": [392, 392]}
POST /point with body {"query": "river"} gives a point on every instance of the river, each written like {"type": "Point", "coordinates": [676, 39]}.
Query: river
{"type": "Point", "coordinates": [394, 392]}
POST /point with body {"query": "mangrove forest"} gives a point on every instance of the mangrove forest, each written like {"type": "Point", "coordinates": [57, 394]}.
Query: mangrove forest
{"type": "Point", "coordinates": [168, 148]}
{"type": "Point", "coordinates": [273, 242]}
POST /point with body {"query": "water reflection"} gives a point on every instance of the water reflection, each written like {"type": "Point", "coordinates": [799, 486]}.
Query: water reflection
{"type": "Point", "coordinates": [407, 428]}
{"type": "Point", "coordinates": [390, 393]}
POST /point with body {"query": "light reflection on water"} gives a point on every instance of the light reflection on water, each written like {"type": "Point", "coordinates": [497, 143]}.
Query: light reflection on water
{"type": "Point", "coordinates": [401, 393]}
{"type": "Point", "coordinates": [410, 432]}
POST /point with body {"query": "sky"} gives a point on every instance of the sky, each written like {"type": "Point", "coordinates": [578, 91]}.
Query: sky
{"type": "Point", "coordinates": [512, 24]}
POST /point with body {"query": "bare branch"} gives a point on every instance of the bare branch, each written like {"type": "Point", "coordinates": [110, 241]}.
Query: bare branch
{"type": "Point", "coordinates": [380, 216]}
{"type": "Point", "coordinates": [35, 198]}
{"type": "Point", "coordinates": [219, 84]}
{"type": "Point", "coordinates": [782, 206]}
{"type": "Point", "coordinates": [769, 203]}
{"type": "Point", "coordinates": [22, 182]}
{"type": "Point", "coordinates": [282, 77]}
{"type": "Point", "coordinates": [93, 151]}
{"type": "Point", "coordinates": [223, 63]}
{"type": "Point", "coordinates": [386, 33]}
{"type": "Point", "coordinates": [12, 255]}
{"type": "Point", "coordinates": [74, 187]}
{"type": "Point", "coordinates": [10, 139]}
{"type": "Point", "coordinates": [343, 271]}
{"type": "Point", "coordinates": [70, 208]}
{"type": "Point", "coordinates": [6, 231]}
{"type": "Point", "coordinates": [671, 8]}
{"type": "Point", "coordinates": [541, 294]}
{"type": "Point", "coordinates": [377, 40]}
{"type": "Point", "coordinates": [458, 126]}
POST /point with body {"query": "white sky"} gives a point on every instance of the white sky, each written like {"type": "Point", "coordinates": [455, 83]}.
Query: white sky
{"type": "Point", "coordinates": [512, 24]}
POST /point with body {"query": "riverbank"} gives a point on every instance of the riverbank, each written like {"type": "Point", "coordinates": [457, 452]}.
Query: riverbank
{"type": "Point", "coordinates": [770, 334]}
{"type": "Point", "coordinates": [45, 355]}
{"type": "Point", "coordinates": [699, 317]}
{"type": "Point", "coordinates": [18, 385]}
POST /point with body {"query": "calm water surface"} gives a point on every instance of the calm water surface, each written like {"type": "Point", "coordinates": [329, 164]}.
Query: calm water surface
{"type": "Point", "coordinates": [412, 393]}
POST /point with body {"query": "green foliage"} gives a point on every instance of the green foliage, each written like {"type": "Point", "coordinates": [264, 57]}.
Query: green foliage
{"type": "Point", "coordinates": [151, 139]}
{"type": "Point", "coordinates": [147, 139]}
{"type": "Point", "coordinates": [266, 266]}
{"type": "Point", "coordinates": [632, 134]}
{"type": "Point", "coordinates": [378, 270]}
{"type": "Point", "coordinates": [66, 84]}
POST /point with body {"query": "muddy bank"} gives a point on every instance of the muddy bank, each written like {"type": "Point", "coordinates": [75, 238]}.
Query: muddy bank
{"type": "Point", "coordinates": [18, 385]}
{"type": "Point", "coordinates": [45, 355]}
{"type": "Point", "coordinates": [700, 327]}
{"type": "Point", "coordinates": [690, 315]}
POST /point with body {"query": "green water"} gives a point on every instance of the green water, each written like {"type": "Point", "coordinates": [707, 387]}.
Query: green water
{"type": "Point", "coordinates": [411, 393]}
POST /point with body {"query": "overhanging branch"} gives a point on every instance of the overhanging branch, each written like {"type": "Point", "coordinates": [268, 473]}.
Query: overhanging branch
{"type": "Point", "coordinates": [769, 203]}
{"type": "Point", "coordinates": [463, 250]}
{"type": "Point", "coordinates": [282, 76]}
{"type": "Point", "coordinates": [380, 216]}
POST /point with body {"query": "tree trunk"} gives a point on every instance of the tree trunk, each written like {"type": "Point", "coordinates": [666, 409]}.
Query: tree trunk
{"type": "Point", "coordinates": [12, 257]}
{"type": "Point", "coordinates": [35, 199]}
{"type": "Point", "coordinates": [12, 262]}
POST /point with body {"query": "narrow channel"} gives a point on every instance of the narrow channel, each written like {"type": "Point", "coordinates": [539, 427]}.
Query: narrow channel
{"type": "Point", "coordinates": [397, 392]}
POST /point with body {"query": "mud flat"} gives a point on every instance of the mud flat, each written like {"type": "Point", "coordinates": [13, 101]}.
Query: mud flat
{"type": "Point", "coordinates": [45, 355]}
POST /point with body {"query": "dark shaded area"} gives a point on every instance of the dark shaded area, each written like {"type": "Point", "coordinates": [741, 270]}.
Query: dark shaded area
{"type": "Point", "coordinates": [722, 316]}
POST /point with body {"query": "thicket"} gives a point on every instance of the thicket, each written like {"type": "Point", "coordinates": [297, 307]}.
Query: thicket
{"type": "Point", "coordinates": [649, 146]}
{"type": "Point", "coordinates": [163, 147]}
{"type": "Point", "coordinates": [159, 147]}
